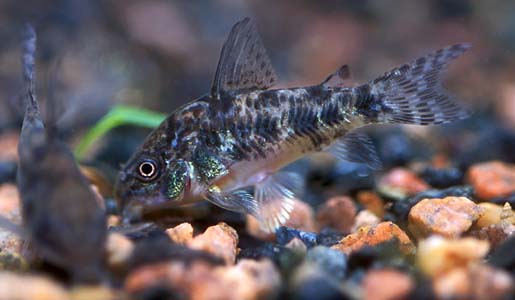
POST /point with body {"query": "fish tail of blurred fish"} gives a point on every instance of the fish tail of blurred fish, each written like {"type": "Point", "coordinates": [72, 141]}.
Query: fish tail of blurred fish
{"type": "Point", "coordinates": [28, 60]}
{"type": "Point", "coordinates": [413, 93]}
{"type": "Point", "coordinates": [33, 131]}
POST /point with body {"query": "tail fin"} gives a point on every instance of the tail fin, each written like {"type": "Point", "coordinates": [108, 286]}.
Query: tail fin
{"type": "Point", "coordinates": [413, 93]}
{"type": "Point", "coordinates": [32, 136]}
{"type": "Point", "coordinates": [28, 61]}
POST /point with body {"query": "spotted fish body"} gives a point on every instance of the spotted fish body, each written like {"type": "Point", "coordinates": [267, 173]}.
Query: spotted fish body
{"type": "Point", "coordinates": [241, 134]}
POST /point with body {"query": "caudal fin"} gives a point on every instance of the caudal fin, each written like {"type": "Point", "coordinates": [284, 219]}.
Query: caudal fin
{"type": "Point", "coordinates": [28, 61]}
{"type": "Point", "coordinates": [413, 93]}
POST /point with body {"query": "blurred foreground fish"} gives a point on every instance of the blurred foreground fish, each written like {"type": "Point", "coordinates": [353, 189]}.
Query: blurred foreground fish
{"type": "Point", "coordinates": [63, 220]}
{"type": "Point", "coordinates": [241, 133]}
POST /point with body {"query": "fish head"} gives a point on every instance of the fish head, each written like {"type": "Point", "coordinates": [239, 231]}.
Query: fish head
{"type": "Point", "coordinates": [149, 181]}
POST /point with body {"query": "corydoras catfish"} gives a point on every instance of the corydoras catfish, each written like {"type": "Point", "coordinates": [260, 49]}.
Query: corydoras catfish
{"type": "Point", "coordinates": [62, 218]}
{"type": "Point", "coordinates": [242, 133]}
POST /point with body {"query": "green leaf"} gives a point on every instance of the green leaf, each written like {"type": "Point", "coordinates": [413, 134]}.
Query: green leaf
{"type": "Point", "coordinates": [117, 116]}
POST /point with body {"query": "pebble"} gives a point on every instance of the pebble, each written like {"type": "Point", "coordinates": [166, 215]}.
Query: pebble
{"type": "Point", "coordinates": [437, 255]}
{"type": "Point", "coordinates": [507, 215]}
{"type": "Point", "coordinates": [372, 202]}
{"type": "Point", "coordinates": [401, 208]}
{"type": "Point", "coordinates": [491, 215]}
{"type": "Point", "coordinates": [220, 240]}
{"type": "Point", "coordinates": [479, 282]}
{"type": "Point", "coordinates": [10, 202]}
{"type": "Point", "coordinates": [157, 249]}
{"type": "Point", "coordinates": [247, 280]}
{"type": "Point", "coordinates": [297, 245]}
{"type": "Point", "coordinates": [496, 224]}
{"type": "Point", "coordinates": [330, 261]}
{"type": "Point", "coordinates": [442, 177]}
{"type": "Point", "coordinates": [492, 179]}
{"type": "Point", "coordinates": [383, 255]}
{"type": "Point", "coordinates": [181, 234]}
{"type": "Point", "coordinates": [302, 217]}
{"type": "Point", "coordinates": [10, 261]}
{"type": "Point", "coordinates": [328, 237]}
{"type": "Point", "coordinates": [309, 283]}
{"type": "Point", "coordinates": [119, 249]}
{"type": "Point", "coordinates": [494, 234]}
{"type": "Point", "coordinates": [449, 217]}
{"type": "Point", "coordinates": [502, 200]}
{"type": "Point", "coordinates": [337, 213]}
{"type": "Point", "coordinates": [398, 148]}
{"type": "Point", "coordinates": [7, 171]}
{"type": "Point", "coordinates": [503, 256]}
{"type": "Point", "coordinates": [285, 234]}
{"type": "Point", "coordinates": [371, 236]}
{"type": "Point", "coordinates": [365, 218]}
{"type": "Point", "coordinates": [10, 209]}
{"type": "Point", "coordinates": [9, 146]}
{"type": "Point", "coordinates": [113, 221]}
{"type": "Point", "coordinates": [280, 255]}
{"type": "Point", "coordinates": [92, 293]}
{"type": "Point", "coordinates": [401, 182]}
{"type": "Point", "coordinates": [386, 284]}
{"type": "Point", "coordinates": [30, 287]}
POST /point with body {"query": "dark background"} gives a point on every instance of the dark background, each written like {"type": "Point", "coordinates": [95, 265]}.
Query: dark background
{"type": "Point", "coordinates": [160, 54]}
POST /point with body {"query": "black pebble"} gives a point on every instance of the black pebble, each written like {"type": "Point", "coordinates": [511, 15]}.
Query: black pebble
{"type": "Point", "coordinates": [332, 262]}
{"type": "Point", "coordinates": [284, 235]}
{"type": "Point", "coordinates": [442, 178]}
{"type": "Point", "coordinates": [161, 248]}
{"type": "Point", "coordinates": [504, 256]}
{"type": "Point", "coordinates": [319, 288]}
{"type": "Point", "coordinates": [328, 237]}
{"type": "Point", "coordinates": [159, 292]}
{"type": "Point", "coordinates": [502, 200]}
{"type": "Point", "coordinates": [7, 171]}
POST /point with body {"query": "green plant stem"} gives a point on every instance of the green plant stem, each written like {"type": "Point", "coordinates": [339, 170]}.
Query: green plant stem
{"type": "Point", "coordinates": [117, 116]}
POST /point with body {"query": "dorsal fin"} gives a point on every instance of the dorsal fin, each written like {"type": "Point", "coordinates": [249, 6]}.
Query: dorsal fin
{"type": "Point", "coordinates": [243, 63]}
{"type": "Point", "coordinates": [338, 77]}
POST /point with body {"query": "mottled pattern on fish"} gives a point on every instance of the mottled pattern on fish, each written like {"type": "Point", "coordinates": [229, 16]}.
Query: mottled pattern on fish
{"type": "Point", "coordinates": [259, 124]}
{"type": "Point", "coordinates": [241, 134]}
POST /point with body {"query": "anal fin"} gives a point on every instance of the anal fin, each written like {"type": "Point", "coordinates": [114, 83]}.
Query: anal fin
{"type": "Point", "coordinates": [356, 148]}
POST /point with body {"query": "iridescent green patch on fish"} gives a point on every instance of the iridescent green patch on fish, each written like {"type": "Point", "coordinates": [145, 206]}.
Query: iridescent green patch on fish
{"type": "Point", "coordinates": [241, 134]}
{"type": "Point", "coordinates": [177, 180]}
{"type": "Point", "coordinates": [209, 166]}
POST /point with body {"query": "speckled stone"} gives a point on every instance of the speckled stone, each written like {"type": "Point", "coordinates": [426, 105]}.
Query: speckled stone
{"type": "Point", "coordinates": [247, 280]}
{"type": "Point", "coordinates": [371, 236]}
{"type": "Point", "coordinates": [449, 217]}
{"type": "Point", "coordinates": [337, 213]}
{"type": "Point", "coordinates": [492, 179]}
{"type": "Point", "coordinates": [386, 284]}
{"type": "Point", "coordinates": [437, 255]}
{"type": "Point", "coordinates": [220, 240]}
{"type": "Point", "coordinates": [181, 234]}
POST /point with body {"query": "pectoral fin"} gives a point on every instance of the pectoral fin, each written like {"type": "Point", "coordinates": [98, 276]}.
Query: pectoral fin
{"type": "Point", "coordinates": [356, 148]}
{"type": "Point", "coordinates": [239, 201]}
{"type": "Point", "coordinates": [271, 204]}
{"type": "Point", "coordinates": [275, 198]}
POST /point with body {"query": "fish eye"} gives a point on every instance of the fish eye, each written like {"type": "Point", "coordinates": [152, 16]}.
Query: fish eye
{"type": "Point", "coordinates": [147, 170]}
